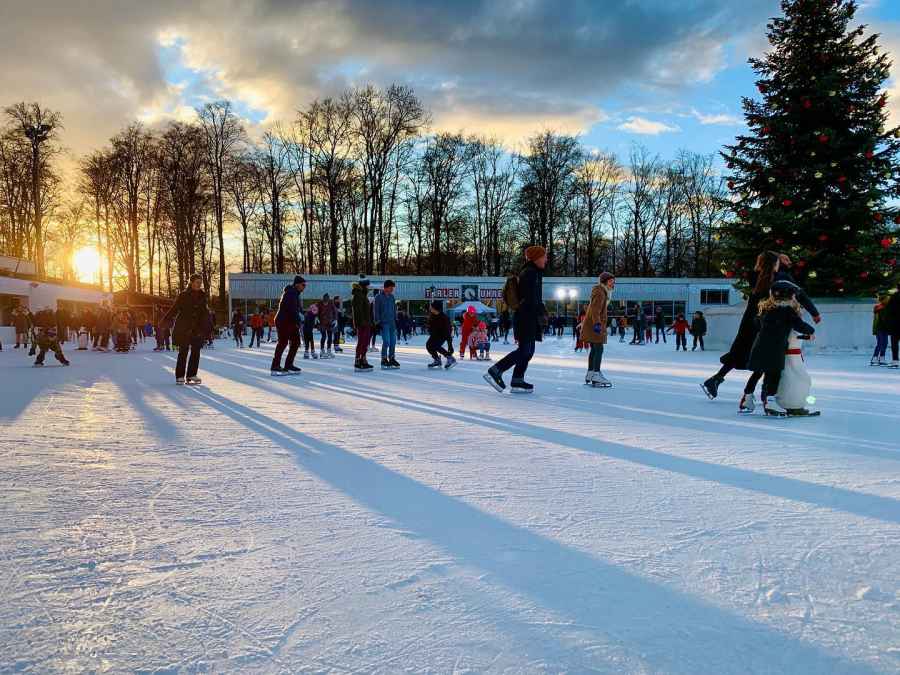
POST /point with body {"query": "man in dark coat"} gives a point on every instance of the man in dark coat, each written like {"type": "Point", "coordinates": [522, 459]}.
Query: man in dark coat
{"type": "Point", "coordinates": [191, 316]}
{"type": "Point", "coordinates": [660, 322]}
{"type": "Point", "coordinates": [528, 323]}
{"type": "Point", "coordinates": [891, 318]}
{"type": "Point", "coordinates": [287, 322]}
{"type": "Point", "coordinates": [361, 313]}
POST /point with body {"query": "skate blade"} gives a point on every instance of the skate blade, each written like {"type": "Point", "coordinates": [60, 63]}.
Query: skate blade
{"type": "Point", "coordinates": [746, 412]}
{"type": "Point", "coordinates": [450, 365]}
{"type": "Point", "coordinates": [601, 386]}
{"type": "Point", "coordinates": [490, 381]}
{"type": "Point", "coordinates": [521, 391]}
{"type": "Point", "coordinates": [774, 413]}
{"type": "Point", "coordinates": [708, 395]}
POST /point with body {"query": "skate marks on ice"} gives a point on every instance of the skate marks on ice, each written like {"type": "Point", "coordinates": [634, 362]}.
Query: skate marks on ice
{"type": "Point", "coordinates": [655, 626]}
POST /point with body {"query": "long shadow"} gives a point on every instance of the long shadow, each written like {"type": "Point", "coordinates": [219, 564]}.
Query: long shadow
{"type": "Point", "coordinates": [662, 628]}
{"type": "Point", "coordinates": [30, 387]}
{"type": "Point", "coordinates": [857, 503]}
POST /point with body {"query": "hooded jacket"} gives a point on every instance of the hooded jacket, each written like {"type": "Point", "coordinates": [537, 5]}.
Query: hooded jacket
{"type": "Point", "coordinates": [596, 313]}
{"type": "Point", "coordinates": [289, 307]}
{"type": "Point", "coordinates": [362, 312]}
{"type": "Point", "coordinates": [191, 315]}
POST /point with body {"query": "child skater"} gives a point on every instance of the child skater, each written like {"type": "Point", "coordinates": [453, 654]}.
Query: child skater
{"type": "Point", "coordinates": [779, 314]}
{"type": "Point", "coordinates": [309, 325]}
{"type": "Point", "coordinates": [698, 330]}
{"type": "Point", "coordinates": [481, 342]}
{"type": "Point", "coordinates": [47, 337]}
{"type": "Point", "coordinates": [593, 329]}
{"type": "Point", "coordinates": [680, 326]}
{"type": "Point", "coordinates": [439, 331]}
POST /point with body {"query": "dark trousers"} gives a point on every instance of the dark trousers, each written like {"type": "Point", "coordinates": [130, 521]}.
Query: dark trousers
{"type": "Point", "coordinates": [517, 359]}
{"type": "Point", "coordinates": [287, 335]}
{"type": "Point", "coordinates": [326, 338]}
{"type": "Point", "coordinates": [698, 339]}
{"type": "Point", "coordinates": [680, 341]}
{"type": "Point", "coordinates": [309, 340]}
{"type": "Point", "coordinates": [363, 335]}
{"type": "Point", "coordinates": [638, 334]}
{"type": "Point", "coordinates": [192, 363]}
{"type": "Point", "coordinates": [895, 344]}
{"type": "Point", "coordinates": [660, 331]}
{"type": "Point", "coordinates": [50, 345]}
{"type": "Point", "coordinates": [435, 347]}
{"type": "Point", "coordinates": [770, 378]}
{"type": "Point", "coordinates": [595, 358]}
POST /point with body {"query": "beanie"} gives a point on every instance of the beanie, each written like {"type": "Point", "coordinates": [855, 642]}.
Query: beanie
{"type": "Point", "coordinates": [533, 253]}
{"type": "Point", "coordinates": [606, 276]}
{"type": "Point", "coordinates": [438, 305]}
{"type": "Point", "coordinates": [470, 310]}
{"type": "Point", "coordinates": [299, 280]}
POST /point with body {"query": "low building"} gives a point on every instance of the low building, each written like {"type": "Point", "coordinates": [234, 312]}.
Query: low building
{"type": "Point", "coordinates": [562, 295]}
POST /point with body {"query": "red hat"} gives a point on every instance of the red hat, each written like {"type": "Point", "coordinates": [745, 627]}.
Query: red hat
{"type": "Point", "coordinates": [533, 253]}
{"type": "Point", "coordinates": [471, 310]}
{"type": "Point", "coordinates": [482, 326]}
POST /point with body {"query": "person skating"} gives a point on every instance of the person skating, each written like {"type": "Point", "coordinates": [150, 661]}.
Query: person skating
{"type": "Point", "coordinates": [480, 343]}
{"type": "Point", "coordinates": [778, 315]}
{"type": "Point", "coordinates": [46, 326]}
{"type": "Point", "coordinates": [237, 329]}
{"type": "Point", "coordinates": [639, 328]}
{"type": "Point", "coordinates": [310, 320]}
{"type": "Point", "coordinates": [326, 325]}
{"type": "Point", "coordinates": [698, 330]}
{"type": "Point", "coordinates": [362, 322]}
{"type": "Point", "coordinates": [623, 325]}
{"type": "Point", "coordinates": [103, 324]}
{"type": "Point", "coordinates": [880, 331]}
{"type": "Point", "coordinates": [892, 322]}
{"type": "Point", "coordinates": [287, 324]}
{"type": "Point", "coordinates": [385, 314]}
{"type": "Point", "coordinates": [528, 323]}
{"type": "Point", "coordinates": [191, 316]}
{"type": "Point", "coordinates": [339, 324]}
{"type": "Point", "coordinates": [593, 329]}
{"type": "Point", "coordinates": [469, 321]}
{"type": "Point", "coordinates": [439, 333]}
{"type": "Point", "coordinates": [21, 323]}
{"type": "Point", "coordinates": [579, 343]}
{"type": "Point", "coordinates": [680, 327]}
{"type": "Point", "coordinates": [660, 322]}
{"type": "Point", "coordinates": [736, 357]}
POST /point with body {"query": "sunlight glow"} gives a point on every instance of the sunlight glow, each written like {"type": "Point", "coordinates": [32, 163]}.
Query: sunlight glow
{"type": "Point", "coordinates": [86, 261]}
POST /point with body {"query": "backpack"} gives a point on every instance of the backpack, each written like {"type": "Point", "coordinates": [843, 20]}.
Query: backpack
{"type": "Point", "coordinates": [511, 293]}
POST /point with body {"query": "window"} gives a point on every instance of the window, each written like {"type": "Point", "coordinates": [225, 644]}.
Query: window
{"type": "Point", "coordinates": [714, 296]}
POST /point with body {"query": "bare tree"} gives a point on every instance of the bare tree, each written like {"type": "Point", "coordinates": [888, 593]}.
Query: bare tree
{"type": "Point", "coordinates": [444, 163]}
{"type": "Point", "coordinates": [493, 176]}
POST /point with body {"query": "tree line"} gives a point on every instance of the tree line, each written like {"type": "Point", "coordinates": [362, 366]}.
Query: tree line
{"type": "Point", "coordinates": [355, 183]}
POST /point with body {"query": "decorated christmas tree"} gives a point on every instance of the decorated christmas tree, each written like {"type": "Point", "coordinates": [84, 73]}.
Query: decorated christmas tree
{"type": "Point", "coordinates": [816, 176]}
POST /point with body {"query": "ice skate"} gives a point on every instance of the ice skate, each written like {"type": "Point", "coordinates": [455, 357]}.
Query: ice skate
{"type": "Point", "coordinates": [599, 381]}
{"type": "Point", "coordinates": [894, 364]}
{"type": "Point", "coordinates": [385, 364]}
{"type": "Point", "coordinates": [747, 405]}
{"type": "Point", "coordinates": [362, 366]}
{"type": "Point", "coordinates": [306, 355]}
{"type": "Point", "coordinates": [278, 372]}
{"type": "Point", "coordinates": [589, 377]}
{"type": "Point", "coordinates": [315, 355]}
{"type": "Point", "coordinates": [494, 378]}
{"type": "Point", "coordinates": [711, 387]}
{"type": "Point", "coordinates": [194, 380]}
{"type": "Point", "coordinates": [450, 363]}
{"type": "Point", "coordinates": [394, 364]}
{"type": "Point", "coordinates": [520, 386]}
{"type": "Point", "coordinates": [292, 370]}
{"type": "Point", "coordinates": [179, 380]}
{"type": "Point", "coordinates": [436, 364]}
{"type": "Point", "coordinates": [772, 409]}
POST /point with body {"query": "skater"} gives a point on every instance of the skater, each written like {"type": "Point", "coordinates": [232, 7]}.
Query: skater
{"type": "Point", "coordinates": [528, 321]}
{"type": "Point", "coordinates": [287, 324]}
{"type": "Point", "coordinates": [163, 337]}
{"type": "Point", "coordinates": [736, 357]}
{"type": "Point", "coordinates": [579, 343]}
{"type": "Point", "coordinates": [623, 326]}
{"type": "Point", "coordinates": [339, 324]}
{"type": "Point", "coordinates": [593, 329]}
{"type": "Point", "coordinates": [660, 322]}
{"type": "Point", "coordinates": [310, 320]}
{"type": "Point", "coordinates": [362, 322]}
{"type": "Point", "coordinates": [22, 325]}
{"type": "Point", "coordinates": [237, 329]}
{"type": "Point", "coordinates": [385, 311]}
{"type": "Point", "coordinates": [880, 331]}
{"type": "Point", "coordinates": [482, 342]}
{"type": "Point", "coordinates": [46, 326]}
{"type": "Point", "coordinates": [505, 324]}
{"type": "Point", "coordinates": [270, 320]}
{"type": "Point", "coordinates": [778, 315]}
{"type": "Point", "coordinates": [326, 325]}
{"type": "Point", "coordinates": [698, 330]}
{"type": "Point", "coordinates": [191, 316]}
{"type": "Point", "coordinates": [121, 332]}
{"type": "Point", "coordinates": [638, 338]}
{"type": "Point", "coordinates": [469, 321]}
{"type": "Point", "coordinates": [439, 332]}
{"type": "Point", "coordinates": [680, 327]}
{"type": "Point", "coordinates": [892, 321]}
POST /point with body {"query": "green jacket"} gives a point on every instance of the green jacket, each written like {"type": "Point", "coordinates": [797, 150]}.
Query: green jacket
{"type": "Point", "coordinates": [362, 311]}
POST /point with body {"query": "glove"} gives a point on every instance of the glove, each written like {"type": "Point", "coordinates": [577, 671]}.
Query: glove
{"type": "Point", "coordinates": [597, 328]}
{"type": "Point", "coordinates": [817, 318]}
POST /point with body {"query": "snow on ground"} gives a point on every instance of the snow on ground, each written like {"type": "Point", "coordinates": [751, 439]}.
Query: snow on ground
{"type": "Point", "coordinates": [417, 521]}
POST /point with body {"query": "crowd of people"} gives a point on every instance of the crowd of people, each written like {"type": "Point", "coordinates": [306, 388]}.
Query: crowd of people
{"type": "Point", "coordinates": [771, 317]}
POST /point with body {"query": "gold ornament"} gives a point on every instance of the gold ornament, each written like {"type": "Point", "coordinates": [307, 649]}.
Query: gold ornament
{"type": "Point", "coordinates": [771, 179]}
{"type": "Point", "coordinates": [813, 275]}
{"type": "Point", "coordinates": [832, 93]}
{"type": "Point", "coordinates": [818, 174]}
{"type": "Point", "coordinates": [846, 228]}
{"type": "Point", "coordinates": [767, 230]}
{"type": "Point", "coordinates": [833, 164]}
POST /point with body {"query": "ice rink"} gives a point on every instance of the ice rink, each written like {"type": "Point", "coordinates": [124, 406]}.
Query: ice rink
{"type": "Point", "coordinates": [418, 521]}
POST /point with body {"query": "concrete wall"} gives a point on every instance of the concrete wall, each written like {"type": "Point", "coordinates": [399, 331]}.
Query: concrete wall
{"type": "Point", "coordinates": [845, 325]}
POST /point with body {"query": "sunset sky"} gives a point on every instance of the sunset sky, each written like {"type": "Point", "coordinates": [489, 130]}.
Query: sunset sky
{"type": "Point", "coordinates": [666, 73]}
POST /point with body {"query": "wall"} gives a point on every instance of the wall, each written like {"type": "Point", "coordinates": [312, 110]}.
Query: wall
{"type": "Point", "coordinates": [38, 295]}
{"type": "Point", "coordinates": [845, 325]}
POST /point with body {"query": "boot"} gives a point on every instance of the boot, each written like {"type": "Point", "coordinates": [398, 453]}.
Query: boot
{"type": "Point", "coordinates": [711, 386]}
{"type": "Point", "coordinates": [589, 377]}
{"type": "Point", "coordinates": [599, 381]}
{"type": "Point", "coordinates": [450, 363]}
{"type": "Point", "coordinates": [748, 404]}
{"type": "Point", "coordinates": [436, 363]}
{"type": "Point", "coordinates": [385, 364]}
{"type": "Point", "coordinates": [494, 378]}
{"type": "Point", "coordinates": [520, 386]}
{"type": "Point", "coordinates": [394, 364]}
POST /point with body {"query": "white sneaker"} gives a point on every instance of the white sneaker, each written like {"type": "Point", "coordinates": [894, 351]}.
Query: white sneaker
{"type": "Point", "coordinates": [599, 381]}
{"type": "Point", "coordinates": [194, 380]}
{"type": "Point", "coordinates": [748, 404]}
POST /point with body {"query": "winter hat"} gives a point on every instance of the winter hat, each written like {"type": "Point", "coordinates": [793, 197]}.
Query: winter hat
{"type": "Point", "coordinates": [363, 281]}
{"type": "Point", "coordinates": [533, 253]}
{"type": "Point", "coordinates": [783, 290]}
{"type": "Point", "coordinates": [606, 276]}
{"type": "Point", "coordinates": [438, 305]}
{"type": "Point", "coordinates": [299, 280]}
{"type": "Point", "coordinates": [470, 310]}
{"type": "Point", "coordinates": [482, 326]}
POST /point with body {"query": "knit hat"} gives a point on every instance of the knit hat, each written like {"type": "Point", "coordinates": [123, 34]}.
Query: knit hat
{"type": "Point", "coordinates": [784, 290]}
{"type": "Point", "coordinates": [606, 276]}
{"type": "Point", "coordinates": [438, 305]}
{"type": "Point", "coordinates": [363, 281]}
{"type": "Point", "coordinates": [533, 253]}
{"type": "Point", "coordinates": [470, 310]}
{"type": "Point", "coordinates": [482, 326]}
{"type": "Point", "coordinates": [299, 280]}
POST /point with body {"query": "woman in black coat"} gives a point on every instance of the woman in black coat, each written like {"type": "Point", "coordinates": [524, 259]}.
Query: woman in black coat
{"type": "Point", "coordinates": [736, 358]}
{"type": "Point", "coordinates": [191, 315]}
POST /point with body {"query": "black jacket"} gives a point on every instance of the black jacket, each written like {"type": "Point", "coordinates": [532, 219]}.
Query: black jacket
{"type": "Point", "coordinates": [439, 328]}
{"type": "Point", "coordinates": [771, 342]}
{"type": "Point", "coordinates": [289, 307]}
{"type": "Point", "coordinates": [698, 326]}
{"type": "Point", "coordinates": [890, 315]}
{"type": "Point", "coordinates": [191, 315]}
{"type": "Point", "coordinates": [802, 297]}
{"type": "Point", "coordinates": [530, 316]}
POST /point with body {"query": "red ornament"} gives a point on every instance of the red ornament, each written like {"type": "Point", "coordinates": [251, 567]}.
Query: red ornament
{"type": "Point", "coordinates": [892, 262]}
{"type": "Point", "coordinates": [842, 179]}
{"type": "Point", "coordinates": [787, 202]}
{"type": "Point", "coordinates": [870, 154]}
{"type": "Point", "coordinates": [762, 88]}
{"type": "Point", "coordinates": [886, 242]}
{"type": "Point", "coordinates": [729, 274]}
{"type": "Point", "coordinates": [851, 249]}
{"type": "Point", "coordinates": [863, 275]}
{"type": "Point", "coordinates": [743, 213]}
{"type": "Point", "coordinates": [878, 217]}
{"type": "Point", "coordinates": [800, 263]}
{"type": "Point", "coordinates": [897, 219]}
{"type": "Point", "coordinates": [807, 104]}
{"type": "Point", "coordinates": [823, 138]}
{"type": "Point", "coordinates": [766, 130]}
{"type": "Point", "coordinates": [839, 281]}
{"type": "Point", "coordinates": [731, 186]}
{"type": "Point", "coordinates": [779, 241]}
{"type": "Point", "coordinates": [882, 102]}
{"type": "Point", "coordinates": [823, 237]}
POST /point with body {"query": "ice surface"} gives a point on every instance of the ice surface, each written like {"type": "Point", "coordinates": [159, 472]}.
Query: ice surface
{"type": "Point", "coordinates": [418, 521]}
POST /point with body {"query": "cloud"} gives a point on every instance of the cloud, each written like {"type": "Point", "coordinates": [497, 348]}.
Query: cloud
{"type": "Point", "coordinates": [716, 118]}
{"type": "Point", "coordinates": [645, 127]}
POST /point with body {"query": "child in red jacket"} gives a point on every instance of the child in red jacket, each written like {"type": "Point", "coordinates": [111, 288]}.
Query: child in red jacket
{"type": "Point", "coordinates": [680, 327]}
{"type": "Point", "coordinates": [469, 323]}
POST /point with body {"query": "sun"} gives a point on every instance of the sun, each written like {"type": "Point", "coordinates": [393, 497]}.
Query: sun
{"type": "Point", "coordinates": [86, 261]}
